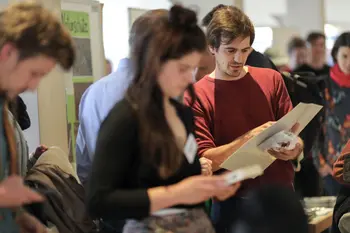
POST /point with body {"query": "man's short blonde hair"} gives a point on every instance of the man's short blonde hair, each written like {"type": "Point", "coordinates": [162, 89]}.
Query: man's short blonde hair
{"type": "Point", "coordinates": [34, 30]}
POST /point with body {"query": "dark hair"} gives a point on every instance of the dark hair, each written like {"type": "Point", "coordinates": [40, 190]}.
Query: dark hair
{"type": "Point", "coordinates": [342, 40]}
{"type": "Point", "coordinates": [313, 36]}
{"type": "Point", "coordinates": [208, 17]}
{"type": "Point", "coordinates": [271, 209]}
{"type": "Point", "coordinates": [227, 24]}
{"type": "Point", "coordinates": [296, 43]}
{"type": "Point", "coordinates": [34, 31]}
{"type": "Point", "coordinates": [160, 36]}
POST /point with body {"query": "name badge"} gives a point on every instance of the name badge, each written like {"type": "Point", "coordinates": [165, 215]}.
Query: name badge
{"type": "Point", "coordinates": [190, 149]}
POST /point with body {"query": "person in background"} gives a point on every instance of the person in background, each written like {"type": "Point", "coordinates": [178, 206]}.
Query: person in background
{"type": "Point", "coordinates": [236, 102]}
{"type": "Point", "coordinates": [337, 113]}
{"type": "Point", "coordinates": [341, 167]}
{"type": "Point", "coordinates": [146, 172]}
{"type": "Point", "coordinates": [109, 67]}
{"type": "Point", "coordinates": [26, 56]}
{"type": "Point", "coordinates": [271, 209]}
{"type": "Point", "coordinates": [95, 104]}
{"type": "Point", "coordinates": [297, 53]}
{"type": "Point", "coordinates": [341, 173]}
{"type": "Point", "coordinates": [278, 58]}
{"type": "Point", "coordinates": [316, 63]}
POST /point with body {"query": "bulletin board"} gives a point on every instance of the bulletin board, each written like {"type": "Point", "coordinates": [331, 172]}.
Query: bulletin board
{"type": "Point", "coordinates": [78, 23]}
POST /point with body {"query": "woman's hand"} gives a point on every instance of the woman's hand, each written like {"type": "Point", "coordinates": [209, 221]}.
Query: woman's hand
{"type": "Point", "coordinates": [196, 189]}
{"type": "Point", "coordinates": [221, 196]}
{"type": "Point", "coordinates": [206, 166]}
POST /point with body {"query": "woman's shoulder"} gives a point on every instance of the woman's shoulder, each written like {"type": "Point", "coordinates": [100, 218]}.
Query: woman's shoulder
{"type": "Point", "coordinates": [122, 113]}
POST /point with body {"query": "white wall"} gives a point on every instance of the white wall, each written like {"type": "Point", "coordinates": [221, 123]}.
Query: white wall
{"type": "Point", "coordinates": [116, 25]}
{"type": "Point", "coordinates": [262, 12]}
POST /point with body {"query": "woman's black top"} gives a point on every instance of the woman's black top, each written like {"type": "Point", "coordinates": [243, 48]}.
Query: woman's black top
{"type": "Point", "coordinates": [121, 175]}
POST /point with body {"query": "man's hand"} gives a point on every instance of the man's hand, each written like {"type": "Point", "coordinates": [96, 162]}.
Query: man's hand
{"type": "Point", "coordinates": [284, 154]}
{"type": "Point", "coordinates": [222, 196]}
{"type": "Point", "coordinates": [29, 224]}
{"type": "Point", "coordinates": [13, 193]}
{"type": "Point", "coordinates": [206, 166]}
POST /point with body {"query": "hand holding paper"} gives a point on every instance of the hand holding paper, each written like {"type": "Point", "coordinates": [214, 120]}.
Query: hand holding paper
{"type": "Point", "coordinates": [284, 145]}
{"type": "Point", "coordinates": [251, 153]}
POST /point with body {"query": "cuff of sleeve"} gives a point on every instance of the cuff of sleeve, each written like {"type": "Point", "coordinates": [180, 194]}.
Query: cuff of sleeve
{"type": "Point", "coordinates": [296, 162]}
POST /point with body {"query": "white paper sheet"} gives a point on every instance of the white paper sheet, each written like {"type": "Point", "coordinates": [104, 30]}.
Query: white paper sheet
{"type": "Point", "coordinates": [250, 153]}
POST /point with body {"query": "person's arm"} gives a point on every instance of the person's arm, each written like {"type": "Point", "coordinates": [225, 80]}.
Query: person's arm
{"type": "Point", "coordinates": [204, 137]}
{"type": "Point", "coordinates": [219, 154]}
{"type": "Point", "coordinates": [341, 171]}
{"type": "Point", "coordinates": [283, 105]}
{"type": "Point", "coordinates": [108, 193]}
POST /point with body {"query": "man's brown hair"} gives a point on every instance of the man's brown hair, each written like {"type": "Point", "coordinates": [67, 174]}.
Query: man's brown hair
{"type": "Point", "coordinates": [227, 24]}
{"type": "Point", "coordinates": [313, 36]}
{"type": "Point", "coordinates": [296, 43]}
{"type": "Point", "coordinates": [34, 30]}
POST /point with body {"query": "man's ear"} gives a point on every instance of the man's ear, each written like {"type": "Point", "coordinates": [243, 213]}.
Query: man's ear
{"type": "Point", "coordinates": [6, 51]}
{"type": "Point", "coordinates": [211, 49]}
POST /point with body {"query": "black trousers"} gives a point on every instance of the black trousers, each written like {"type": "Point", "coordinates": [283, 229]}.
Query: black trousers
{"type": "Point", "coordinates": [225, 213]}
{"type": "Point", "coordinates": [307, 181]}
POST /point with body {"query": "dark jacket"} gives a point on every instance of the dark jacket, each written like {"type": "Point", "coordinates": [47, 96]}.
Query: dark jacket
{"type": "Point", "coordinates": [257, 59]}
{"type": "Point", "coordinates": [342, 207]}
{"type": "Point", "coordinates": [19, 109]}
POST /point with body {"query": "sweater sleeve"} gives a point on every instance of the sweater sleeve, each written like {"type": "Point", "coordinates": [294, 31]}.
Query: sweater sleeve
{"type": "Point", "coordinates": [341, 168]}
{"type": "Point", "coordinates": [204, 137]}
{"type": "Point", "coordinates": [109, 196]}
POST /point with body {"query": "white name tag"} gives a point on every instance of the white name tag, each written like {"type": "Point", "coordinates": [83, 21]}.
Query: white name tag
{"type": "Point", "coordinates": [190, 149]}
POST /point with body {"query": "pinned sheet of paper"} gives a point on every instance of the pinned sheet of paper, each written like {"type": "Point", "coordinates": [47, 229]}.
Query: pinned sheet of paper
{"type": "Point", "coordinates": [251, 153]}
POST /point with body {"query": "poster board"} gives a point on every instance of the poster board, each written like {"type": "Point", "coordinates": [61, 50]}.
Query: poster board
{"type": "Point", "coordinates": [82, 20]}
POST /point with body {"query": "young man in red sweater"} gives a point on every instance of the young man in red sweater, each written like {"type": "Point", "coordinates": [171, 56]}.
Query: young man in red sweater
{"type": "Point", "coordinates": [236, 100]}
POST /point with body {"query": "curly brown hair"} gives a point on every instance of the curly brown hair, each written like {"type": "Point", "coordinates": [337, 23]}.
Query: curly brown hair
{"type": "Point", "coordinates": [34, 30]}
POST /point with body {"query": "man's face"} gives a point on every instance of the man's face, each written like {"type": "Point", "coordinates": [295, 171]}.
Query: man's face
{"type": "Point", "coordinates": [318, 48]}
{"type": "Point", "coordinates": [18, 76]}
{"type": "Point", "coordinates": [298, 57]}
{"type": "Point", "coordinates": [230, 58]}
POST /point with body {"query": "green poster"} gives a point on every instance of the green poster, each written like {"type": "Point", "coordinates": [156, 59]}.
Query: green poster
{"type": "Point", "coordinates": [77, 22]}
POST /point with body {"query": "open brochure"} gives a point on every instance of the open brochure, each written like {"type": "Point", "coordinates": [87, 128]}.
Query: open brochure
{"type": "Point", "coordinates": [251, 153]}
